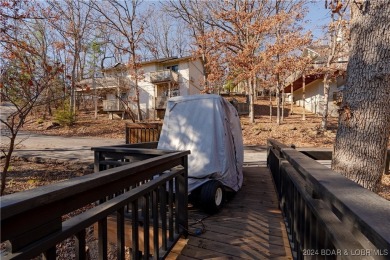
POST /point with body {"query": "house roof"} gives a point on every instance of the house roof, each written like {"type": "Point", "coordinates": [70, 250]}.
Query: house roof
{"type": "Point", "coordinates": [104, 82]}
{"type": "Point", "coordinates": [120, 66]}
{"type": "Point", "coordinates": [297, 83]}
{"type": "Point", "coordinates": [318, 54]}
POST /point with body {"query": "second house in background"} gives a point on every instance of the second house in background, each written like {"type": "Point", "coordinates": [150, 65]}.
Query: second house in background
{"type": "Point", "coordinates": [159, 80]}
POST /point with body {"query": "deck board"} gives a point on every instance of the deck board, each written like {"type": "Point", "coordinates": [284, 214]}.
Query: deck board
{"type": "Point", "coordinates": [250, 226]}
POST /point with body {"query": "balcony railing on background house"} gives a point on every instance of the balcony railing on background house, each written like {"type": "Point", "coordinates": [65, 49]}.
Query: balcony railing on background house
{"type": "Point", "coordinates": [326, 214]}
{"type": "Point", "coordinates": [161, 76]}
{"type": "Point", "coordinates": [161, 102]}
{"type": "Point", "coordinates": [113, 105]}
{"type": "Point", "coordinates": [133, 185]}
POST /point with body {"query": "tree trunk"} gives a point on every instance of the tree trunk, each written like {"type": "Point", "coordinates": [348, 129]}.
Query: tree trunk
{"type": "Point", "coordinates": [303, 97]}
{"type": "Point", "coordinates": [364, 122]}
{"type": "Point", "coordinates": [139, 112]}
{"type": "Point", "coordinates": [255, 88]}
{"type": "Point", "coordinates": [7, 162]}
{"type": "Point", "coordinates": [251, 102]}
{"type": "Point", "coordinates": [282, 118]}
{"type": "Point", "coordinates": [277, 105]}
{"type": "Point", "coordinates": [324, 121]}
{"type": "Point", "coordinates": [270, 107]}
{"type": "Point", "coordinates": [292, 99]}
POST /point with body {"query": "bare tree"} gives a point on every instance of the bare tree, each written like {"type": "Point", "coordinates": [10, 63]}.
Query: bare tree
{"type": "Point", "coordinates": [165, 37]}
{"type": "Point", "coordinates": [195, 14]}
{"type": "Point", "coordinates": [26, 72]}
{"type": "Point", "coordinates": [125, 18]}
{"type": "Point", "coordinates": [73, 24]}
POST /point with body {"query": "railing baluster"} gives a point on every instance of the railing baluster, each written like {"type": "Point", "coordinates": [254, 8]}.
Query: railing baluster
{"type": "Point", "coordinates": [163, 214]}
{"type": "Point", "coordinates": [170, 210]}
{"type": "Point", "coordinates": [120, 233]}
{"type": "Point", "coordinates": [127, 137]}
{"type": "Point", "coordinates": [182, 201]}
{"type": "Point", "coordinates": [98, 157]}
{"type": "Point", "coordinates": [134, 231]}
{"type": "Point", "coordinates": [307, 229]}
{"type": "Point", "coordinates": [146, 217]}
{"type": "Point", "coordinates": [102, 234]}
{"type": "Point", "coordinates": [289, 209]}
{"type": "Point", "coordinates": [295, 217]}
{"type": "Point", "coordinates": [155, 225]}
{"type": "Point", "coordinates": [50, 254]}
{"type": "Point", "coordinates": [80, 245]}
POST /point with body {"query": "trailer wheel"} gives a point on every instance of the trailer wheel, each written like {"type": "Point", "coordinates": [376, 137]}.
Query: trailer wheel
{"type": "Point", "coordinates": [212, 196]}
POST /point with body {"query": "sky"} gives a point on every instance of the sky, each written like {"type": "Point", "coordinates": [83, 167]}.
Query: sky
{"type": "Point", "coordinates": [318, 16]}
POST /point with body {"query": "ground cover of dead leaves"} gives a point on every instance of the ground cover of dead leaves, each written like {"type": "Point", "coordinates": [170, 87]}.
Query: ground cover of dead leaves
{"type": "Point", "coordinates": [24, 175]}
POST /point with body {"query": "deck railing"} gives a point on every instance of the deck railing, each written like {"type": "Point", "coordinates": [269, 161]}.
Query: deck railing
{"type": "Point", "coordinates": [31, 221]}
{"type": "Point", "coordinates": [161, 102]}
{"type": "Point", "coordinates": [163, 76]}
{"type": "Point", "coordinates": [113, 105]}
{"type": "Point", "coordinates": [327, 215]}
{"type": "Point", "coordinates": [142, 132]}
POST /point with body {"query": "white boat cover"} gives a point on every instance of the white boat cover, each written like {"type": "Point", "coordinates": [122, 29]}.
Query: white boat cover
{"type": "Point", "coordinates": [208, 126]}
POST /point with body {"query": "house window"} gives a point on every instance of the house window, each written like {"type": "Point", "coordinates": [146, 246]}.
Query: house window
{"type": "Point", "coordinates": [123, 96]}
{"type": "Point", "coordinates": [175, 68]}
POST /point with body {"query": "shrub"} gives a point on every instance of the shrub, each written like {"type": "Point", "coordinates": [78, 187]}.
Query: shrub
{"type": "Point", "coordinates": [65, 116]}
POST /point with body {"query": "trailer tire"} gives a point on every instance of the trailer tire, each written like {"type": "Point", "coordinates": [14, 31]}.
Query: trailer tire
{"type": "Point", "coordinates": [212, 196]}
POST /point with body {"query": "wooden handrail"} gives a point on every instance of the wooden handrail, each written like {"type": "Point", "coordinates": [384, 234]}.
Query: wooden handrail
{"type": "Point", "coordinates": [31, 221]}
{"type": "Point", "coordinates": [327, 214]}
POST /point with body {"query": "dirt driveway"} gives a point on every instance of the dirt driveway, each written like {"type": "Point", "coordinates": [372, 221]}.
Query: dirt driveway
{"type": "Point", "coordinates": [45, 147]}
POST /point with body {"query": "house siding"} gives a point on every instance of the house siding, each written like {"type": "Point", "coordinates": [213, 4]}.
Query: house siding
{"type": "Point", "coordinates": [196, 78]}
{"type": "Point", "coordinates": [314, 97]}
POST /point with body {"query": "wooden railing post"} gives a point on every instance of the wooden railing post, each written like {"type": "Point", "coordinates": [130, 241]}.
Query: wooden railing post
{"type": "Point", "coordinates": [134, 230]}
{"type": "Point", "coordinates": [49, 254]}
{"type": "Point", "coordinates": [120, 233]}
{"type": "Point", "coordinates": [80, 245]}
{"type": "Point", "coordinates": [127, 134]}
{"type": "Point", "coordinates": [155, 224]}
{"type": "Point", "coordinates": [146, 217]}
{"type": "Point", "coordinates": [182, 200]}
{"type": "Point", "coordinates": [102, 239]}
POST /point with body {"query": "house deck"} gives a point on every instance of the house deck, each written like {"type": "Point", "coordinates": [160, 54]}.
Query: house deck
{"type": "Point", "coordinates": [250, 226]}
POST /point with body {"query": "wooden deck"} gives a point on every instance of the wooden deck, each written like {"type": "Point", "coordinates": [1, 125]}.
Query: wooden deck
{"type": "Point", "coordinates": [250, 226]}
